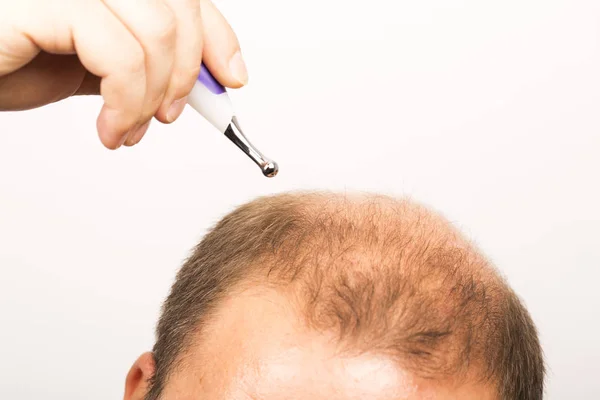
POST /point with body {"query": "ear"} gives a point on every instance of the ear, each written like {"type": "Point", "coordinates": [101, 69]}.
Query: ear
{"type": "Point", "coordinates": [136, 384]}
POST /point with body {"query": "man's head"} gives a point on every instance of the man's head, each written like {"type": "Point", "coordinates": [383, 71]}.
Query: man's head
{"type": "Point", "coordinates": [339, 297]}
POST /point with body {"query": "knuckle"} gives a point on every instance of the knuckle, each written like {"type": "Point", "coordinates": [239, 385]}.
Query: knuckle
{"type": "Point", "coordinates": [164, 28]}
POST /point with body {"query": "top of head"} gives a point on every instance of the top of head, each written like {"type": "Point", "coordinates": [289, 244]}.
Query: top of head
{"type": "Point", "coordinates": [315, 292]}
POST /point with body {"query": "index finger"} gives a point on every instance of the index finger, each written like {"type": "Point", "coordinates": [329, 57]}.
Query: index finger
{"type": "Point", "coordinates": [118, 59]}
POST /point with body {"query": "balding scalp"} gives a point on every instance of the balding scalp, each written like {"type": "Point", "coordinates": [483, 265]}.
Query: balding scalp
{"type": "Point", "coordinates": [383, 275]}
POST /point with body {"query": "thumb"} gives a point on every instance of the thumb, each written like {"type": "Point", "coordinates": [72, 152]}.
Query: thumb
{"type": "Point", "coordinates": [222, 53]}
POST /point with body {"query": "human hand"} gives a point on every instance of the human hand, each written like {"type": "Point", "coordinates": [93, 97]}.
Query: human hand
{"type": "Point", "coordinates": [142, 56]}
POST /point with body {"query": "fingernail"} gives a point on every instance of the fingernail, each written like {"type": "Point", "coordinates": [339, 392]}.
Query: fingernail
{"type": "Point", "coordinates": [176, 109]}
{"type": "Point", "coordinates": [238, 68]}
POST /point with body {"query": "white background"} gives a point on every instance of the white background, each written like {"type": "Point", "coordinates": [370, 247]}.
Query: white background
{"type": "Point", "coordinates": [486, 110]}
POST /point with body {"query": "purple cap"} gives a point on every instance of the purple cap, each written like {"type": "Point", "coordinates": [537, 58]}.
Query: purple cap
{"type": "Point", "coordinates": [209, 81]}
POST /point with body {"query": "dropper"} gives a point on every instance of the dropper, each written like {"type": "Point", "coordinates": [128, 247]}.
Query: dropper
{"type": "Point", "coordinates": [211, 100]}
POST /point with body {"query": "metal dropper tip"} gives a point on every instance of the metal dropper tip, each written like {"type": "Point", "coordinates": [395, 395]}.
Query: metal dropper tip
{"type": "Point", "coordinates": [270, 169]}
{"type": "Point", "coordinates": [234, 133]}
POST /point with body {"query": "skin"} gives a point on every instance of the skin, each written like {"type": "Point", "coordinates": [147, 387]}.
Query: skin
{"type": "Point", "coordinates": [142, 56]}
{"type": "Point", "coordinates": [255, 349]}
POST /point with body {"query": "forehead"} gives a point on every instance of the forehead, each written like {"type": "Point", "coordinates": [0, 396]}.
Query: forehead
{"type": "Point", "coordinates": [311, 373]}
{"type": "Point", "coordinates": [256, 349]}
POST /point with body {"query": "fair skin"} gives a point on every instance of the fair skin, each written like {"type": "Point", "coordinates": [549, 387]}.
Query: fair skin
{"type": "Point", "coordinates": [142, 56]}
{"type": "Point", "coordinates": [255, 349]}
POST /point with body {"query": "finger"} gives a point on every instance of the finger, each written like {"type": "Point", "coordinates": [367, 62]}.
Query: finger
{"type": "Point", "coordinates": [118, 58]}
{"type": "Point", "coordinates": [16, 48]}
{"type": "Point", "coordinates": [188, 57]}
{"type": "Point", "coordinates": [105, 48]}
{"type": "Point", "coordinates": [46, 79]}
{"type": "Point", "coordinates": [221, 52]}
{"type": "Point", "coordinates": [153, 24]}
{"type": "Point", "coordinates": [31, 78]}
{"type": "Point", "coordinates": [137, 135]}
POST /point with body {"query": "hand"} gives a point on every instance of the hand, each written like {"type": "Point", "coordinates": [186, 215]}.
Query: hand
{"type": "Point", "coordinates": [142, 56]}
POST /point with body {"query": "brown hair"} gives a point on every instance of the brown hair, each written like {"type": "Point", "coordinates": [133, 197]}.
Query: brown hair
{"type": "Point", "coordinates": [386, 275]}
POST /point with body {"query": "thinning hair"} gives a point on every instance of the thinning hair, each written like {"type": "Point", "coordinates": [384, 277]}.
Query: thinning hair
{"type": "Point", "coordinates": [384, 275]}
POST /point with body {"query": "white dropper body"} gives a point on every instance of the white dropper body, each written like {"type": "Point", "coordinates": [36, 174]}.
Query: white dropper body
{"type": "Point", "coordinates": [210, 99]}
